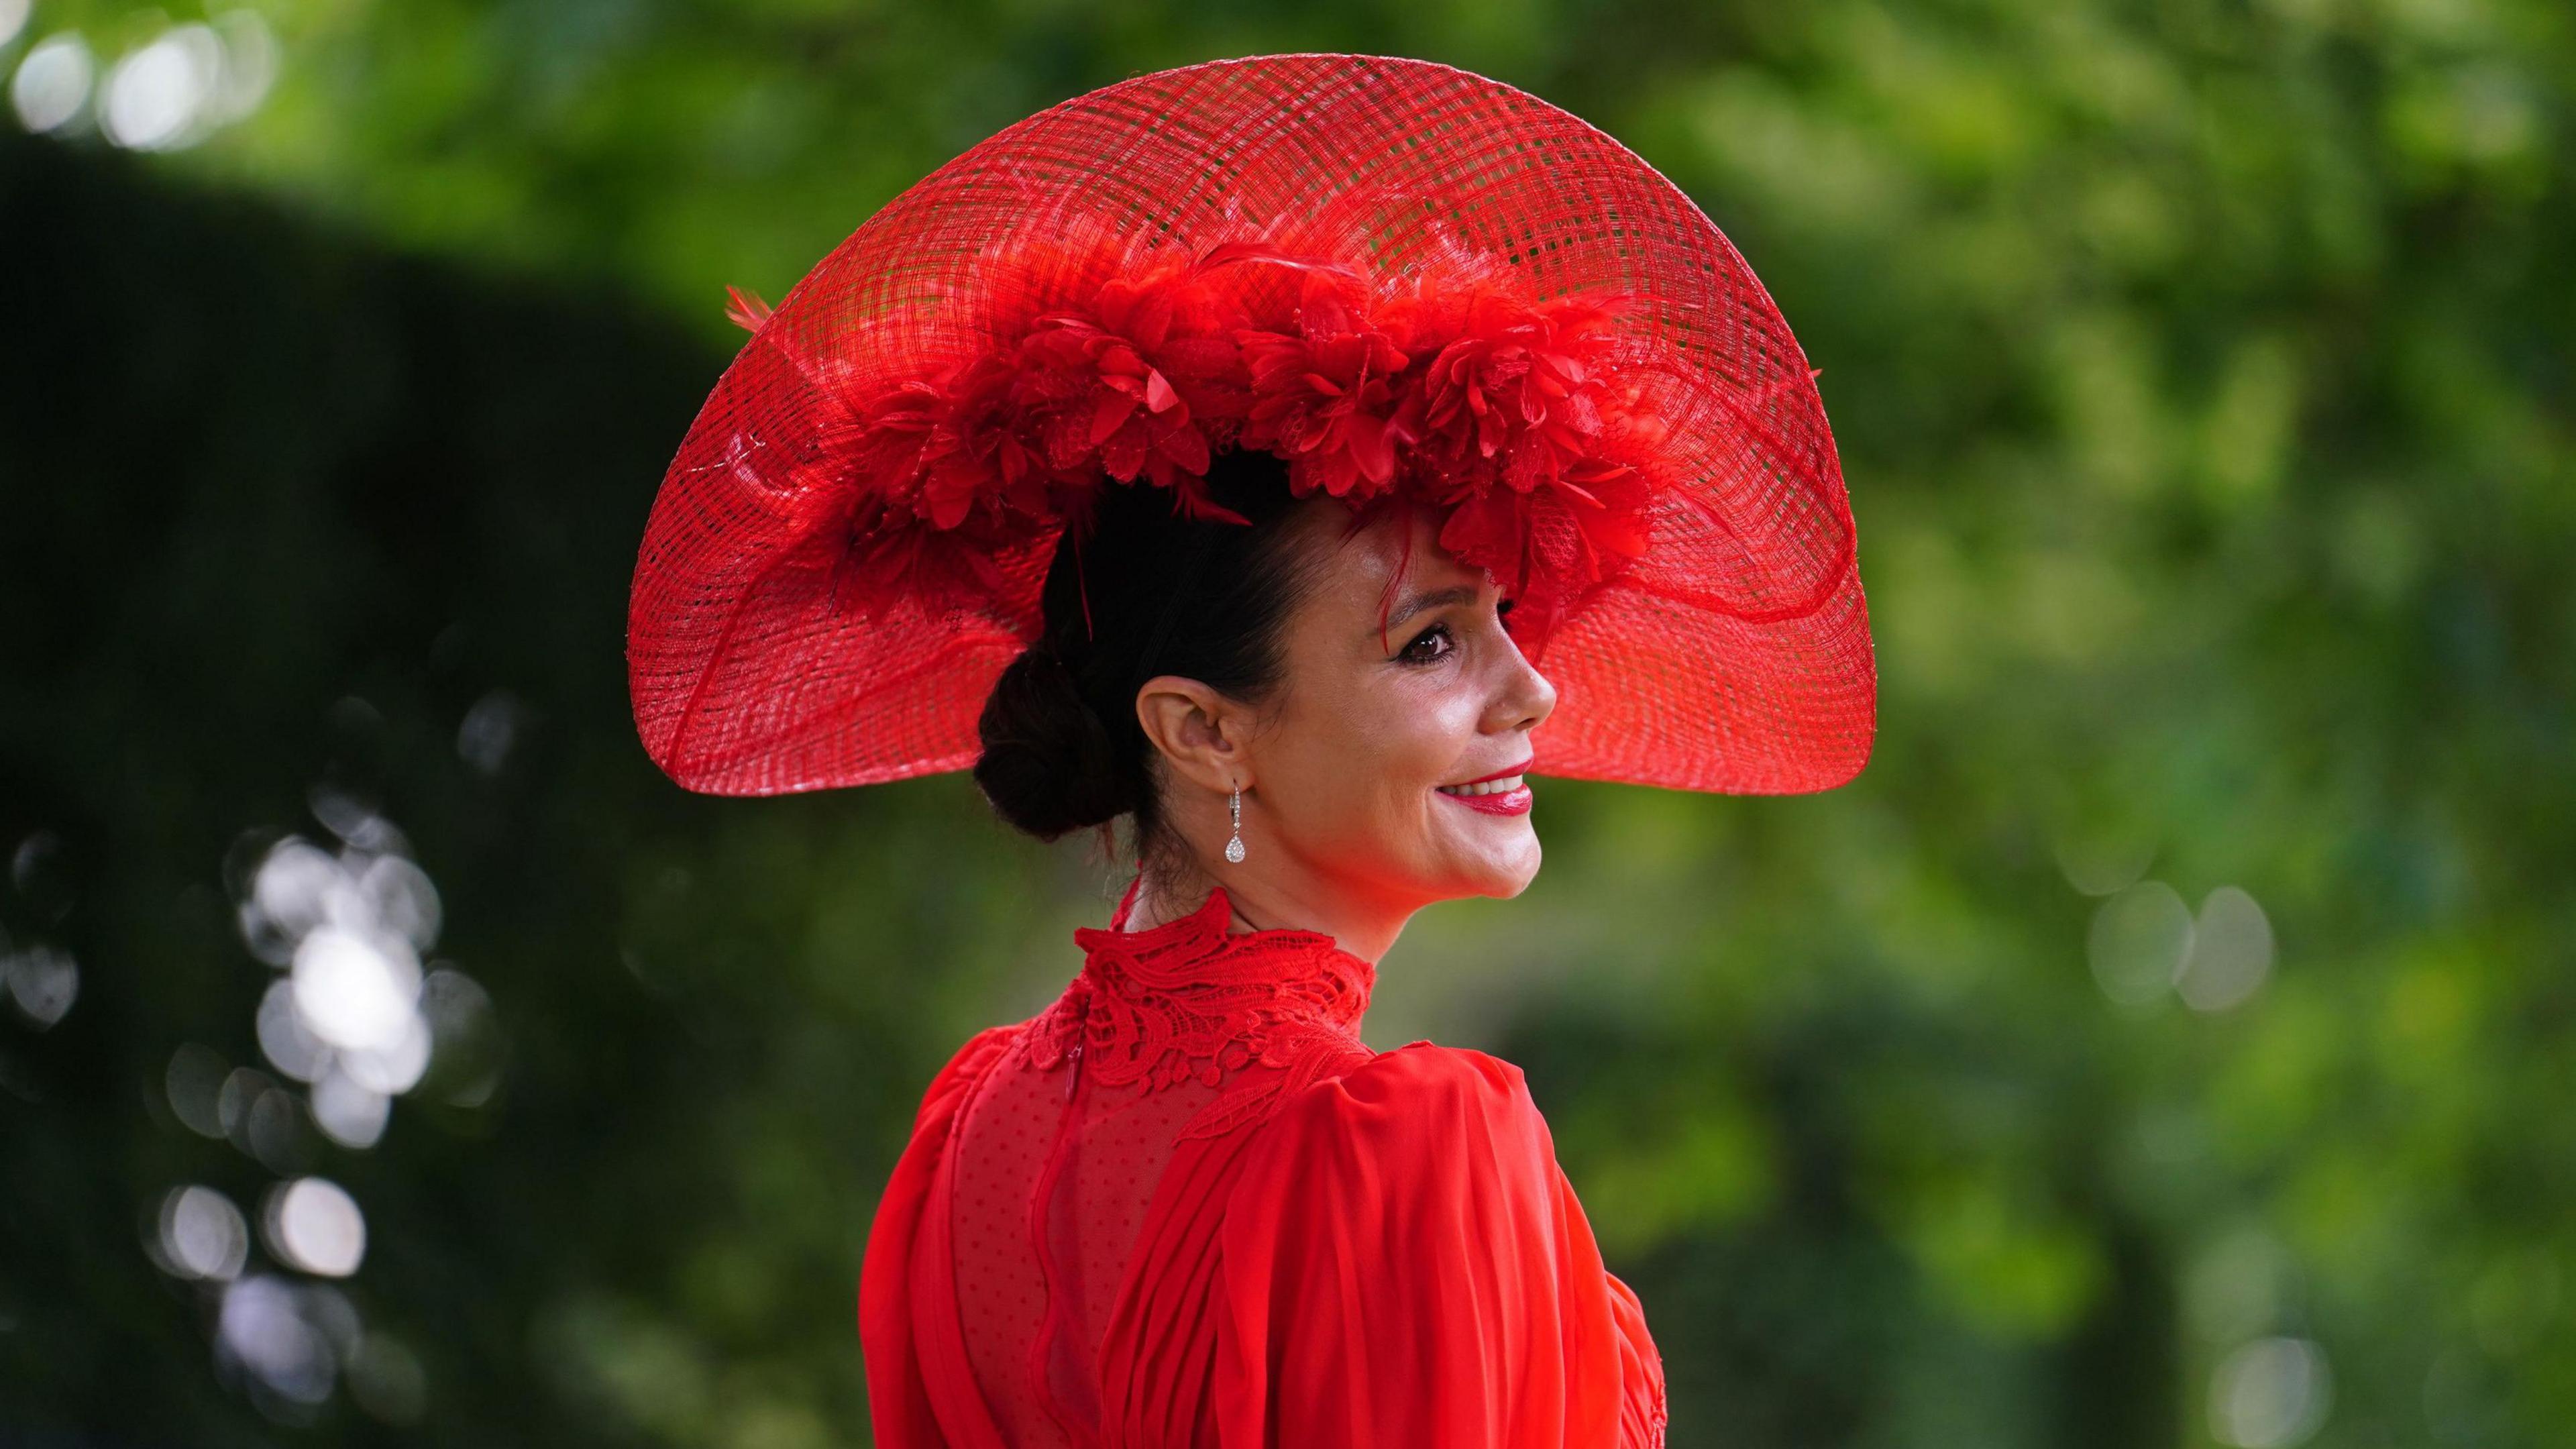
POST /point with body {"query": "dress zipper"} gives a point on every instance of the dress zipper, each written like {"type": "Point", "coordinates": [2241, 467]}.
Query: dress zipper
{"type": "Point", "coordinates": [1073, 1054]}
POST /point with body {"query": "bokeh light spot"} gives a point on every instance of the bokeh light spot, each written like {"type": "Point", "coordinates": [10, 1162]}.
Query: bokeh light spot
{"type": "Point", "coordinates": [2269, 1394]}
{"type": "Point", "coordinates": [194, 1079]}
{"type": "Point", "coordinates": [202, 1235]}
{"type": "Point", "coordinates": [155, 99]}
{"type": "Point", "coordinates": [43, 983]}
{"type": "Point", "coordinates": [2138, 942]}
{"type": "Point", "coordinates": [2231, 952]}
{"type": "Point", "coordinates": [313, 1224]}
{"type": "Point", "coordinates": [53, 82]}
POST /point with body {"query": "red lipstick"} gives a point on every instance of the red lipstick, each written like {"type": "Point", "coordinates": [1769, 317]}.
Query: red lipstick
{"type": "Point", "coordinates": [1509, 802]}
{"type": "Point", "coordinates": [1515, 801]}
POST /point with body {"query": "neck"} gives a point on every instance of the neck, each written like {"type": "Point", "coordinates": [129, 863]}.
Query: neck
{"type": "Point", "coordinates": [1284, 896]}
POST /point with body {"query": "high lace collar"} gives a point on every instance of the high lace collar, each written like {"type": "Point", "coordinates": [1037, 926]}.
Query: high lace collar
{"type": "Point", "coordinates": [1195, 955]}
{"type": "Point", "coordinates": [1210, 921]}
{"type": "Point", "coordinates": [1188, 1000]}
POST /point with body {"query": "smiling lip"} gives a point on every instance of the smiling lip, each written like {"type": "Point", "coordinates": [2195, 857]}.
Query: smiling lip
{"type": "Point", "coordinates": [1514, 801]}
{"type": "Point", "coordinates": [1509, 802]}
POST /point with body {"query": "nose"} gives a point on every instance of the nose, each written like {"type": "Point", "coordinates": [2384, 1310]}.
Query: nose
{"type": "Point", "coordinates": [1527, 698]}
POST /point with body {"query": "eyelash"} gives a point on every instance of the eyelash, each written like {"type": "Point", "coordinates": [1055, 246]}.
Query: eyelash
{"type": "Point", "coordinates": [1406, 655]}
{"type": "Point", "coordinates": [1409, 657]}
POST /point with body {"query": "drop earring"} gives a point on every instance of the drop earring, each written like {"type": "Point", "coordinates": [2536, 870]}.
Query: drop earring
{"type": "Point", "coordinates": [1234, 847]}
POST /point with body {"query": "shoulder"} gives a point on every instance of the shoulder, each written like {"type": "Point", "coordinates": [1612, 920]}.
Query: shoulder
{"type": "Point", "coordinates": [1405, 1131]}
{"type": "Point", "coordinates": [1424, 1067]}
{"type": "Point", "coordinates": [966, 1066]}
{"type": "Point", "coordinates": [1416, 1086]}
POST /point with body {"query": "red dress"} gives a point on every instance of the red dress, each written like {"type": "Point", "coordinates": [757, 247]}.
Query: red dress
{"type": "Point", "coordinates": [1185, 1206]}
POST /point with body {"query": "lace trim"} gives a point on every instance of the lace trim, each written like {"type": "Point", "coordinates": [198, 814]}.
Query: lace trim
{"type": "Point", "coordinates": [1190, 1001]}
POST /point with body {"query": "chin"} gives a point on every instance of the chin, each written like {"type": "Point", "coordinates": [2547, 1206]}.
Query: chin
{"type": "Point", "coordinates": [1447, 866]}
{"type": "Point", "coordinates": [1505, 879]}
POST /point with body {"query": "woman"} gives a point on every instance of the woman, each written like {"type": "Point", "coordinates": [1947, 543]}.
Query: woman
{"type": "Point", "coordinates": [1225, 451]}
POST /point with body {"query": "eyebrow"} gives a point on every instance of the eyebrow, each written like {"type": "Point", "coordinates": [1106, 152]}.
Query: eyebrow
{"type": "Point", "coordinates": [1437, 598]}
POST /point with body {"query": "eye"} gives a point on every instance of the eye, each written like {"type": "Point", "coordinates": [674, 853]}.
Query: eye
{"type": "Point", "coordinates": [1415, 653]}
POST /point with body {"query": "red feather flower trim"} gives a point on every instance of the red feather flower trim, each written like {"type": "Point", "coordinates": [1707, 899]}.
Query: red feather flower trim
{"type": "Point", "coordinates": [1327, 399]}
{"type": "Point", "coordinates": [1518, 394]}
{"type": "Point", "coordinates": [1449, 388]}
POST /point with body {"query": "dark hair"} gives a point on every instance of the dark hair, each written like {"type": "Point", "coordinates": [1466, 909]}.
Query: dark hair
{"type": "Point", "coordinates": [1146, 591]}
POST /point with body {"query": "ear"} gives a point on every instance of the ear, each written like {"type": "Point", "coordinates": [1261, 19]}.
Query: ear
{"type": "Point", "coordinates": [1202, 735]}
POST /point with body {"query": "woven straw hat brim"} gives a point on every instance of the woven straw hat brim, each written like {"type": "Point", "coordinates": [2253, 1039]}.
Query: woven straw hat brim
{"type": "Point", "coordinates": [1734, 656]}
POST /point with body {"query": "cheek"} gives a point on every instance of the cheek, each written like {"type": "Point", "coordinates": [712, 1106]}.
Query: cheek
{"type": "Point", "coordinates": [1363, 769]}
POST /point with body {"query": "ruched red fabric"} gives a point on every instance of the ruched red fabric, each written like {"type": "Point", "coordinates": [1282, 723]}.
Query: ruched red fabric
{"type": "Point", "coordinates": [1185, 1206]}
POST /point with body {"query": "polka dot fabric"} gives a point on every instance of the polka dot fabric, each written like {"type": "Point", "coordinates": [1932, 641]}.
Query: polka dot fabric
{"type": "Point", "coordinates": [1732, 654]}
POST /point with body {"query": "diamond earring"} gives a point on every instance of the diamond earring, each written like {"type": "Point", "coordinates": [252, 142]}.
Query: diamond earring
{"type": "Point", "coordinates": [1234, 847]}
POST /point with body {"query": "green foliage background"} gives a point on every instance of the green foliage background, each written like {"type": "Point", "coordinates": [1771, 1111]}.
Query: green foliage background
{"type": "Point", "coordinates": [2202, 373]}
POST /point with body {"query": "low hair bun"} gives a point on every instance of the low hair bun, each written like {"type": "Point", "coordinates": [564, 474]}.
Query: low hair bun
{"type": "Point", "coordinates": [1149, 587]}
{"type": "Point", "coordinates": [1049, 766]}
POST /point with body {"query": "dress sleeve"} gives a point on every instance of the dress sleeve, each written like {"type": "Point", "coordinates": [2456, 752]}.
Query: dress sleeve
{"type": "Point", "coordinates": [1404, 1263]}
{"type": "Point", "coordinates": [898, 1395]}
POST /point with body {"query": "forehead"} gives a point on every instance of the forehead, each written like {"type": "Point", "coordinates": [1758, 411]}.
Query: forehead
{"type": "Point", "coordinates": [1393, 554]}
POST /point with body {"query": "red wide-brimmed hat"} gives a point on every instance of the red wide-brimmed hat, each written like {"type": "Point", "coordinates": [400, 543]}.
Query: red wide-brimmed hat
{"type": "Point", "coordinates": [1412, 283]}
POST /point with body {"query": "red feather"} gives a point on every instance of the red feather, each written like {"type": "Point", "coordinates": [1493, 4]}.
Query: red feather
{"type": "Point", "coordinates": [1449, 388]}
